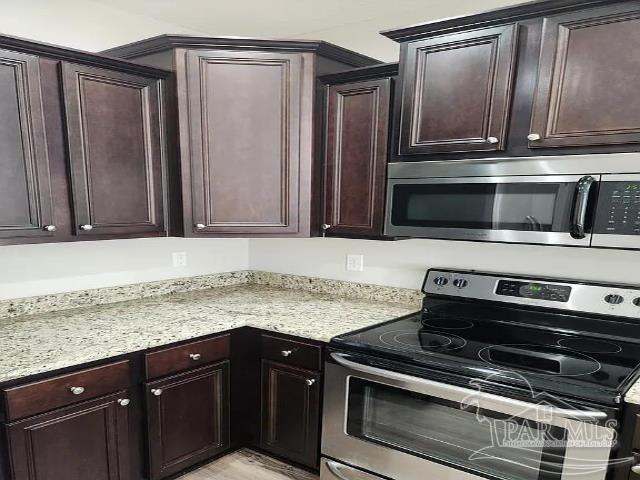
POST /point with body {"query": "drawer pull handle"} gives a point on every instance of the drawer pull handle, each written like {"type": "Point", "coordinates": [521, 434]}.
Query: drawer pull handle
{"type": "Point", "coordinates": [156, 391]}
{"type": "Point", "coordinates": [77, 390]}
{"type": "Point", "coordinates": [310, 381]}
{"type": "Point", "coordinates": [286, 353]}
{"type": "Point", "coordinates": [123, 402]}
{"type": "Point", "coordinates": [195, 356]}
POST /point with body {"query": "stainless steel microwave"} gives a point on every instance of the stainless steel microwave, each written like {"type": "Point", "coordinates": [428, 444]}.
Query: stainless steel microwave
{"type": "Point", "coordinates": [580, 200]}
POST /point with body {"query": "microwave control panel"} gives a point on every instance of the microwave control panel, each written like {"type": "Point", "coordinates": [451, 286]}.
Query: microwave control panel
{"type": "Point", "coordinates": [618, 209]}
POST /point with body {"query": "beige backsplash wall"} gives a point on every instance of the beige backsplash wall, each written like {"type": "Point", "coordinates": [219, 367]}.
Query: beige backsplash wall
{"type": "Point", "coordinates": [28, 270]}
{"type": "Point", "coordinates": [403, 263]}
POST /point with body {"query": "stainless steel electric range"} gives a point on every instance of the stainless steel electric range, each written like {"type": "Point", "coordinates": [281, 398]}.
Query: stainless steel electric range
{"type": "Point", "coordinates": [498, 377]}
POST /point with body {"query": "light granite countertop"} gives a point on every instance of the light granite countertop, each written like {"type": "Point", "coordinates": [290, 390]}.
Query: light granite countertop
{"type": "Point", "coordinates": [43, 342]}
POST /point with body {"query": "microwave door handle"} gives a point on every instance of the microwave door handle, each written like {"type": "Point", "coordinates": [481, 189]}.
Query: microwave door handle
{"type": "Point", "coordinates": [465, 392]}
{"type": "Point", "coordinates": [580, 205]}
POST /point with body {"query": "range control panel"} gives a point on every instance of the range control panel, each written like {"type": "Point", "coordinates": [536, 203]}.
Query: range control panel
{"type": "Point", "coordinates": [618, 211]}
{"type": "Point", "coordinates": [616, 300]}
{"type": "Point", "coordinates": [541, 291]}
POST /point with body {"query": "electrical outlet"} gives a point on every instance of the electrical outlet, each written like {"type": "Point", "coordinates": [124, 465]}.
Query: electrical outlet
{"type": "Point", "coordinates": [179, 259]}
{"type": "Point", "coordinates": [355, 263]}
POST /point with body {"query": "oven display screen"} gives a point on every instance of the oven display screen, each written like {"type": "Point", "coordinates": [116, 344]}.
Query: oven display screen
{"type": "Point", "coordinates": [541, 291]}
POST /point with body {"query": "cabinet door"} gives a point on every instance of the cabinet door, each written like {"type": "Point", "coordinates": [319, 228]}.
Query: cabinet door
{"type": "Point", "coordinates": [290, 412]}
{"type": "Point", "coordinates": [188, 416]}
{"type": "Point", "coordinates": [588, 82]}
{"type": "Point", "coordinates": [25, 188]}
{"type": "Point", "coordinates": [87, 440]}
{"type": "Point", "coordinates": [456, 92]}
{"type": "Point", "coordinates": [356, 159]}
{"type": "Point", "coordinates": [244, 141]}
{"type": "Point", "coordinates": [115, 149]}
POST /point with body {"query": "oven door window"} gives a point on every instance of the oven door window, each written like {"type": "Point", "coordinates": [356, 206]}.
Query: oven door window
{"type": "Point", "coordinates": [483, 442]}
{"type": "Point", "coordinates": [543, 206]}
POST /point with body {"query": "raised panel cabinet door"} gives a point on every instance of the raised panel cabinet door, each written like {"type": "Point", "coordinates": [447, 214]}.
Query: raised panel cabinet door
{"type": "Point", "coordinates": [188, 418]}
{"type": "Point", "coordinates": [356, 156]}
{"type": "Point", "coordinates": [290, 412]}
{"type": "Point", "coordinates": [244, 141]}
{"type": "Point", "coordinates": [87, 440]}
{"type": "Point", "coordinates": [26, 208]}
{"type": "Point", "coordinates": [114, 132]}
{"type": "Point", "coordinates": [456, 93]}
{"type": "Point", "coordinates": [587, 84]}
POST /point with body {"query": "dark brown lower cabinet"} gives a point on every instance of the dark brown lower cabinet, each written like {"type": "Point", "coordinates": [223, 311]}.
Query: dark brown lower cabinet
{"type": "Point", "coordinates": [290, 412]}
{"type": "Point", "coordinates": [188, 418]}
{"type": "Point", "coordinates": [89, 440]}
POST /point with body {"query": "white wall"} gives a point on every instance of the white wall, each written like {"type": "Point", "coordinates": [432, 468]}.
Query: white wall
{"type": "Point", "coordinates": [403, 263]}
{"type": "Point", "coordinates": [27, 270]}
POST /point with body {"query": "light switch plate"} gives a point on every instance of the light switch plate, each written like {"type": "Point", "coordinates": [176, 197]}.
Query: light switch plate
{"type": "Point", "coordinates": [355, 263]}
{"type": "Point", "coordinates": [179, 259]}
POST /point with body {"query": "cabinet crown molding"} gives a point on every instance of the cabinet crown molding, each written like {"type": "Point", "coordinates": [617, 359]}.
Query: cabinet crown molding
{"type": "Point", "coordinates": [510, 14]}
{"type": "Point", "coordinates": [166, 42]}
{"type": "Point", "coordinates": [362, 73]}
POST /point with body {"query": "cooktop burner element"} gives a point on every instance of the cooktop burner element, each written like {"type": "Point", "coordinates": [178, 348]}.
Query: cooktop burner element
{"type": "Point", "coordinates": [422, 340]}
{"type": "Point", "coordinates": [589, 345]}
{"type": "Point", "coordinates": [526, 342]}
{"type": "Point", "coordinates": [542, 359]}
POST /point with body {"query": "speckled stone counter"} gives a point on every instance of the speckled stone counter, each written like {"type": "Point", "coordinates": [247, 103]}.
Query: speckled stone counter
{"type": "Point", "coordinates": [37, 343]}
{"type": "Point", "coordinates": [633, 395]}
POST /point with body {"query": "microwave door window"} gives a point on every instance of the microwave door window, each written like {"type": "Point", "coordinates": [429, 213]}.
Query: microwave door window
{"type": "Point", "coordinates": [515, 209]}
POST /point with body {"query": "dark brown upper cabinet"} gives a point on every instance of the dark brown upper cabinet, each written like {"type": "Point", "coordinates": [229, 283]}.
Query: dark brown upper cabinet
{"type": "Point", "coordinates": [248, 115]}
{"type": "Point", "coordinates": [26, 208]}
{"type": "Point", "coordinates": [588, 79]}
{"type": "Point", "coordinates": [188, 418]}
{"type": "Point", "coordinates": [86, 440]}
{"type": "Point", "coordinates": [356, 151]}
{"type": "Point", "coordinates": [456, 91]}
{"type": "Point", "coordinates": [245, 129]}
{"type": "Point", "coordinates": [115, 150]}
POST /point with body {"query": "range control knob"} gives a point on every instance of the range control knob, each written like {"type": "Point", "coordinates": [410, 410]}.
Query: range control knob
{"type": "Point", "coordinates": [614, 299]}
{"type": "Point", "coordinates": [460, 283]}
{"type": "Point", "coordinates": [636, 301]}
{"type": "Point", "coordinates": [440, 281]}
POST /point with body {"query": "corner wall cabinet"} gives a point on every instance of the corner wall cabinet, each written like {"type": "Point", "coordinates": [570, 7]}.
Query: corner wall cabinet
{"type": "Point", "coordinates": [248, 112]}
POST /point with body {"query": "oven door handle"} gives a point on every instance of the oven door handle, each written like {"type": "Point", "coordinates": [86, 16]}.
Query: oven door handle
{"type": "Point", "coordinates": [340, 472]}
{"type": "Point", "coordinates": [579, 213]}
{"type": "Point", "coordinates": [571, 414]}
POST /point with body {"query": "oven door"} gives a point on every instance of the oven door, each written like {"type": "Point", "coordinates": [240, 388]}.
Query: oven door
{"type": "Point", "coordinates": [549, 209]}
{"type": "Point", "coordinates": [410, 428]}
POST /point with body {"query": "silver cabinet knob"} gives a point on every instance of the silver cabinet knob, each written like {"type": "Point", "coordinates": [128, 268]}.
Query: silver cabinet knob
{"type": "Point", "coordinates": [195, 356]}
{"type": "Point", "coordinates": [123, 402]}
{"type": "Point", "coordinates": [326, 226]}
{"type": "Point", "coordinates": [286, 353]}
{"type": "Point", "coordinates": [310, 381]}
{"type": "Point", "coordinates": [200, 226]}
{"type": "Point", "coordinates": [156, 391]}
{"type": "Point", "coordinates": [77, 390]}
{"type": "Point", "coordinates": [86, 228]}
{"type": "Point", "coordinates": [532, 137]}
{"type": "Point", "coordinates": [636, 469]}
{"type": "Point", "coordinates": [493, 140]}
{"type": "Point", "coordinates": [50, 228]}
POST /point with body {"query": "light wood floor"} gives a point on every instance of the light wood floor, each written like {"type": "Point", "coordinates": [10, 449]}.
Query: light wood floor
{"type": "Point", "coordinates": [248, 465]}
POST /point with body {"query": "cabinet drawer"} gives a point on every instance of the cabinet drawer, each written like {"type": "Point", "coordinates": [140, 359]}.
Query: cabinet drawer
{"type": "Point", "coordinates": [190, 355]}
{"type": "Point", "coordinates": [290, 352]}
{"type": "Point", "coordinates": [45, 395]}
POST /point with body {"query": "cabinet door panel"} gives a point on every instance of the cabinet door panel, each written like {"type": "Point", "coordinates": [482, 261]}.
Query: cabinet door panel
{"type": "Point", "coordinates": [457, 92]}
{"type": "Point", "coordinates": [115, 149]}
{"type": "Point", "coordinates": [290, 412]}
{"type": "Point", "coordinates": [25, 188]}
{"type": "Point", "coordinates": [244, 141]}
{"type": "Point", "coordinates": [589, 72]}
{"type": "Point", "coordinates": [88, 440]}
{"type": "Point", "coordinates": [189, 419]}
{"type": "Point", "coordinates": [357, 139]}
